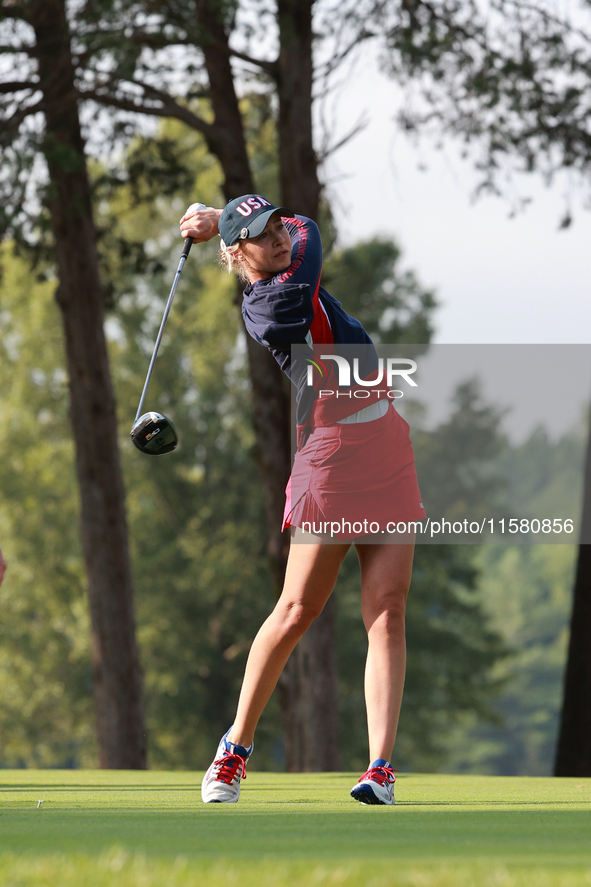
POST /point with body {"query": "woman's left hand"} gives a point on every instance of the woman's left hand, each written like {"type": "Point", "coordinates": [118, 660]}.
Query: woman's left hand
{"type": "Point", "coordinates": [201, 224]}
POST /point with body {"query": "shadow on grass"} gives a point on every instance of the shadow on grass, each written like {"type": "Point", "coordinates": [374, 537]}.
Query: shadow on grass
{"type": "Point", "coordinates": [72, 787]}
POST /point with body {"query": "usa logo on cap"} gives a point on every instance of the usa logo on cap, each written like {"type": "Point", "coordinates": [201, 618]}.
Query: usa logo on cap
{"type": "Point", "coordinates": [247, 206]}
{"type": "Point", "coordinates": [252, 209]}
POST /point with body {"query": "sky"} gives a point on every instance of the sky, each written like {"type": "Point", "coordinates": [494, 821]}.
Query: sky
{"type": "Point", "coordinates": [497, 279]}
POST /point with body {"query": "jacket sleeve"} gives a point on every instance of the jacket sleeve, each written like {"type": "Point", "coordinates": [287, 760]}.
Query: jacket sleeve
{"type": "Point", "coordinates": [306, 253]}
{"type": "Point", "coordinates": [278, 315]}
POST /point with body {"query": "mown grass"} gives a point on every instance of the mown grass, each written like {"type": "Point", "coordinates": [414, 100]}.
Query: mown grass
{"type": "Point", "coordinates": [130, 829]}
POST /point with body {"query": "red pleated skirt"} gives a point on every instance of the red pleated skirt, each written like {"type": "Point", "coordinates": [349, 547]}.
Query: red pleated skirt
{"type": "Point", "coordinates": [355, 480]}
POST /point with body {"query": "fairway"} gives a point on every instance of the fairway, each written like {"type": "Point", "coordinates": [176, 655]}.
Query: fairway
{"type": "Point", "coordinates": [150, 828]}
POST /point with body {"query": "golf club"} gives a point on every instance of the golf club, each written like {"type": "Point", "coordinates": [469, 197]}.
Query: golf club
{"type": "Point", "coordinates": [153, 433]}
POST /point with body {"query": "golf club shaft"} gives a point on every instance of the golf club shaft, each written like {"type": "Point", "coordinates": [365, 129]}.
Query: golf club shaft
{"type": "Point", "coordinates": [179, 271]}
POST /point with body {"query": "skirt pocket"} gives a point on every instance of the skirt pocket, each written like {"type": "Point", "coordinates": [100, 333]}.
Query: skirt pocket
{"type": "Point", "coordinates": [322, 451]}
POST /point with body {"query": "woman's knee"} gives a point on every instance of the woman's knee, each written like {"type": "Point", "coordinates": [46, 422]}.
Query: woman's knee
{"type": "Point", "coordinates": [297, 616]}
{"type": "Point", "coordinates": [387, 613]}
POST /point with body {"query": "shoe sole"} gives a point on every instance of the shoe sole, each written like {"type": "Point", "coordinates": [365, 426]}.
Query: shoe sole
{"type": "Point", "coordinates": [365, 795]}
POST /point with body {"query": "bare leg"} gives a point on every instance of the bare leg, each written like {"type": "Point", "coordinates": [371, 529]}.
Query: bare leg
{"type": "Point", "coordinates": [310, 577]}
{"type": "Point", "coordinates": [385, 580]}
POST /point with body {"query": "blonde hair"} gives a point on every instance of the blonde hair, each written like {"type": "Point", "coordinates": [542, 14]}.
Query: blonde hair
{"type": "Point", "coordinates": [230, 261]}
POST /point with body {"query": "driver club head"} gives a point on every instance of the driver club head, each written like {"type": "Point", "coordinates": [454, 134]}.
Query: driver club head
{"type": "Point", "coordinates": [154, 434]}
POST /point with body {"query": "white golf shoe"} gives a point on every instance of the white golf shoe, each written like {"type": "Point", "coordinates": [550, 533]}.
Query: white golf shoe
{"type": "Point", "coordinates": [376, 786]}
{"type": "Point", "coordinates": [221, 783]}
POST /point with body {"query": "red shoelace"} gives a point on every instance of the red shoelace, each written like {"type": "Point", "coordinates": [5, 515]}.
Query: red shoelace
{"type": "Point", "coordinates": [230, 766]}
{"type": "Point", "coordinates": [381, 775]}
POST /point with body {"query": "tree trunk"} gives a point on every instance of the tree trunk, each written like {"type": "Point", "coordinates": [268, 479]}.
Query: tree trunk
{"type": "Point", "coordinates": [229, 142]}
{"type": "Point", "coordinates": [270, 397]}
{"type": "Point", "coordinates": [297, 158]}
{"type": "Point", "coordinates": [309, 685]}
{"type": "Point", "coordinates": [116, 669]}
{"type": "Point", "coordinates": [271, 419]}
{"type": "Point", "coordinates": [308, 691]}
{"type": "Point", "coordinates": [573, 757]}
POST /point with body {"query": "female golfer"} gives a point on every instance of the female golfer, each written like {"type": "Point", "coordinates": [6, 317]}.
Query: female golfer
{"type": "Point", "coordinates": [280, 256]}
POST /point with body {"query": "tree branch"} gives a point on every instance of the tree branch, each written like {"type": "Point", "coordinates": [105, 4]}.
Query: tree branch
{"type": "Point", "coordinates": [169, 107]}
{"type": "Point", "coordinates": [153, 40]}
{"type": "Point", "coordinates": [17, 86]}
{"type": "Point", "coordinates": [28, 50]}
{"type": "Point", "coordinates": [334, 62]}
{"type": "Point", "coordinates": [156, 41]}
{"type": "Point", "coordinates": [549, 17]}
{"type": "Point", "coordinates": [359, 127]}
{"type": "Point", "coordinates": [12, 123]}
{"type": "Point", "coordinates": [272, 68]}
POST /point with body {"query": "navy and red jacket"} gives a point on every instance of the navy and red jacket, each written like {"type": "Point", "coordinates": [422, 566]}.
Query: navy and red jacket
{"type": "Point", "coordinates": [292, 308]}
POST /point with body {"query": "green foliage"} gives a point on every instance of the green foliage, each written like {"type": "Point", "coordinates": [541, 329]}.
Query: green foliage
{"type": "Point", "coordinates": [196, 516]}
{"type": "Point", "coordinates": [451, 649]}
{"type": "Point", "coordinates": [213, 552]}
{"type": "Point", "coordinates": [389, 302]}
{"type": "Point", "coordinates": [259, 120]}
{"type": "Point", "coordinates": [546, 475]}
{"type": "Point", "coordinates": [527, 592]}
{"type": "Point", "coordinates": [458, 464]}
{"type": "Point", "coordinates": [45, 677]}
{"type": "Point", "coordinates": [197, 522]}
{"type": "Point", "coordinates": [453, 655]}
{"type": "Point", "coordinates": [509, 80]}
